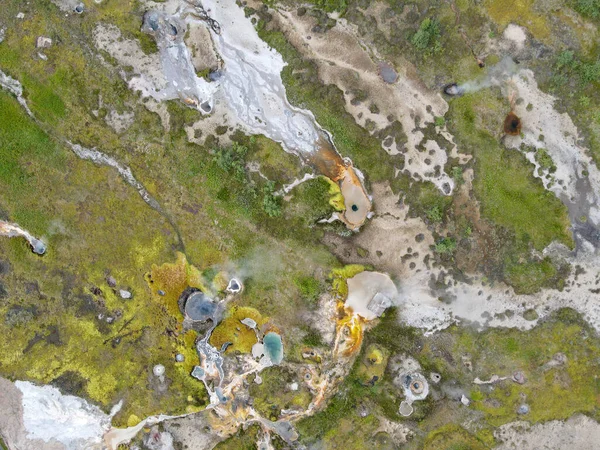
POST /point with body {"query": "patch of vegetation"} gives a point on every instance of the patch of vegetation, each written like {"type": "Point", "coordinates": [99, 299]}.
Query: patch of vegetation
{"type": "Point", "coordinates": [452, 437]}
{"type": "Point", "coordinates": [310, 288]}
{"type": "Point", "coordinates": [275, 392]}
{"type": "Point", "coordinates": [271, 202]}
{"type": "Point", "coordinates": [232, 159]}
{"type": "Point", "coordinates": [588, 8]}
{"type": "Point", "coordinates": [545, 160]}
{"type": "Point", "coordinates": [446, 246]}
{"type": "Point", "coordinates": [232, 330]}
{"type": "Point", "coordinates": [530, 277]}
{"type": "Point", "coordinates": [509, 194]}
{"type": "Point", "coordinates": [427, 37]}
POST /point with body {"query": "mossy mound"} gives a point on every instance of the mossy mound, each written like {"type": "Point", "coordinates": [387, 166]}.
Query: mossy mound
{"type": "Point", "coordinates": [231, 329]}
{"type": "Point", "coordinates": [452, 437]}
{"type": "Point", "coordinates": [172, 279]}
{"type": "Point", "coordinates": [340, 275]}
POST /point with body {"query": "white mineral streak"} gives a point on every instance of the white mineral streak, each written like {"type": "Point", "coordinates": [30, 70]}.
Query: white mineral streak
{"type": "Point", "coordinates": [14, 230]}
{"type": "Point", "coordinates": [251, 83]}
{"type": "Point", "coordinates": [14, 87]}
{"type": "Point", "coordinates": [47, 415]}
{"type": "Point", "coordinates": [561, 139]}
{"type": "Point", "coordinates": [125, 172]}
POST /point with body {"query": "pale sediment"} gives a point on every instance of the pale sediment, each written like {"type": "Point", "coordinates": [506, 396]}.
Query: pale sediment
{"type": "Point", "coordinates": [14, 230]}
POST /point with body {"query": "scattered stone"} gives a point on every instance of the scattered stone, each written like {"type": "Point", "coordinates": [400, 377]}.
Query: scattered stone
{"type": "Point", "coordinates": [111, 281]}
{"type": "Point", "coordinates": [465, 401]}
{"type": "Point", "coordinates": [258, 350]}
{"type": "Point", "coordinates": [294, 386]}
{"type": "Point", "coordinates": [2, 34]}
{"type": "Point", "coordinates": [435, 377]}
{"type": "Point", "coordinates": [523, 409]}
{"type": "Point", "coordinates": [519, 377]}
{"type": "Point", "coordinates": [250, 323]}
{"type": "Point", "coordinates": [125, 295]}
{"type": "Point", "coordinates": [161, 293]}
{"type": "Point", "coordinates": [158, 370]}
{"type": "Point", "coordinates": [560, 358]}
{"type": "Point", "coordinates": [43, 42]}
{"type": "Point", "coordinates": [20, 15]}
{"type": "Point", "coordinates": [179, 357]}
{"type": "Point", "coordinates": [258, 379]}
{"type": "Point", "coordinates": [405, 409]}
{"type": "Point", "coordinates": [42, 56]}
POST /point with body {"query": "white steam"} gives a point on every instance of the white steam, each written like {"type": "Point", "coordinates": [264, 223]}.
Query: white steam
{"type": "Point", "coordinates": [496, 75]}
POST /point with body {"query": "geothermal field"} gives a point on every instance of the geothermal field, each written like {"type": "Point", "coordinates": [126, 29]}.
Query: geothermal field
{"type": "Point", "coordinates": [340, 224]}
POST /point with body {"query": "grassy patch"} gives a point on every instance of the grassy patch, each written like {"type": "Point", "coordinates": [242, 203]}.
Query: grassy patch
{"type": "Point", "coordinates": [530, 277]}
{"type": "Point", "coordinates": [504, 184]}
{"type": "Point", "coordinates": [520, 12]}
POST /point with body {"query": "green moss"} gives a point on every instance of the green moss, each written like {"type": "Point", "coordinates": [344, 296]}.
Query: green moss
{"type": "Point", "coordinates": [552, 391]}
{"type": "Point", "coordinates": [530, 277]}
{"type": "Point", "coordinates": [509, 194]}
{"type": "Point", "coordinates": [310, 289]}
{"type": "Point", "coordinates": [340, 275]}
{"type": "Point", "coordinates": [452, 437]}
{"type": "Point", "coordinates": [241, 337]}
{"type": "Point", "coordinates": [275, 393]}
{"type": "Point", "coordinates": [520, 12]}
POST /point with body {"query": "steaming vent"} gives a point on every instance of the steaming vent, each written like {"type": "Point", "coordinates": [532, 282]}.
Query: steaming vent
{"type": "Point", "coordinates": [234, 286]}
{"type": "Point", "coordinates": [453, 90]}
{"type": "Point", "coordinates": [512, 124]}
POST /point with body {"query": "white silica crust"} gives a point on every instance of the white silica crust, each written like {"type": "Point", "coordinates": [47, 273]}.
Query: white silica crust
{"type": "Point", "coordinates": [70, 420]}
{"type": "Point", "coordinates": [251, 83]}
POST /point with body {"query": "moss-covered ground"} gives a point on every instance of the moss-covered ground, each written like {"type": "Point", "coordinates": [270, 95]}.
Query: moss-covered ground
{"type": "Point", "coordinates": [69, 327]}
{"type": "Point", "coordinates": [559, 359]}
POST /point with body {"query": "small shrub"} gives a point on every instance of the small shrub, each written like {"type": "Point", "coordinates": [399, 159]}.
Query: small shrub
{"type": "Point", "coordinates": [427, 37]}
{"type": "Point", "coordinates": [446, 246]}
{"type": "Point", "coordinates": [434, 214]}
{"type": "Point", "coordinates": [589, 8]}
{"type": "Point", "coordinates": [232, 159]}
{"type": "Point", "coordinates": [271, 202]}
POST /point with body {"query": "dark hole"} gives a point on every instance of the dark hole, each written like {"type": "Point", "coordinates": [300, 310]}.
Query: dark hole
{"type": "Point", "coordinates": [354, 208]}
{"type": "Point", "coordinates": [512, 124]}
